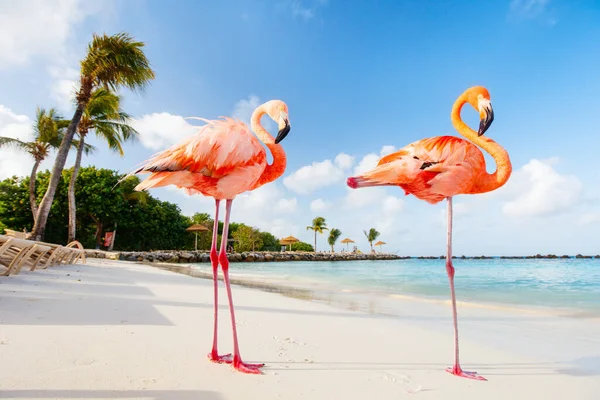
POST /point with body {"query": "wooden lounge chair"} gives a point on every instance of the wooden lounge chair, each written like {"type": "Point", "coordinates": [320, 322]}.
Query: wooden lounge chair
{"type": "Point", "coordinates": [15, 234]}
{"type": "Point", "coordinates": [68, 254]}
{"type": "Point", "coordinates": [15, 253]}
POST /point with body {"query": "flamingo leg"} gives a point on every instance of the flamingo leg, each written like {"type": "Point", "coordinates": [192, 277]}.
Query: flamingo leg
{"type": "Point", "coordinates": [456, 369]}
{"type": "Point", "coordinates": [238, 364]}
{"type": "Point", "coordinates": [214, 259]}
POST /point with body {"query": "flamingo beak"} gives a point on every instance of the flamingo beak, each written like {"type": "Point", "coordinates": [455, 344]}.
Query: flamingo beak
{"type": "Point", "coordinates": [284, 127]}
{"type": "Point", "coordinates": [487, 117]}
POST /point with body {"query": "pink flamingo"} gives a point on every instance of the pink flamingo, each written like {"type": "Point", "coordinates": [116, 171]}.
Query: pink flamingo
{"type": "Point", "coordinates": [223, 160]}
{"type": "Point", "coordinates": [439, 168]}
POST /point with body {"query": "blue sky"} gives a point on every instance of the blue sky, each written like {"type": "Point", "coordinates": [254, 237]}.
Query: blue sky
{"type": "Point", "coordinates": [358, 78]}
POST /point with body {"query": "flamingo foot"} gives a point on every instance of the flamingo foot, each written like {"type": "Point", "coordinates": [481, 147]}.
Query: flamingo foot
{"type": "Point", "coordinates": [458, 371]}
{"type": "Point", "coordinates": [247, 368]}
{"type": "Point", "coordinates": [224, 359]}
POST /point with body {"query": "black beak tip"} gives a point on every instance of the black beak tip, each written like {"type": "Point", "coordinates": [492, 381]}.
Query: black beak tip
{"type": "Point", "coordinates": [482, 128]}
{"type": "Point", "coordinates": [485, 123]}
{"type": "Point", "coordinates": [282, 133]}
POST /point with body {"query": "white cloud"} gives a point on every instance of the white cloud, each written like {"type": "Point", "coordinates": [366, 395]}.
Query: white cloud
{"type": "Point", "coordinates": [358, 198]}
{"type": "Point", "coordinates": [319, 205]}
{"type": "Point", "coordinates": [528, 7]}
{"type": "Point", "coordinates": [370, 160]}
{"type": "Point", "coordinates": [313, 177]}
{"type": "Point", "coordinates": [387, 149]}
{"type": "Point", "coordinates": [14, 161]}
{"type": "Point", "coordinates": [344, 161]}
{"type": "Point", "coordinates": [537, 189]}
{"type": "Point", "coordinates": [458, 209]}
{"type": "Point", "coordinates": [286, 205]}
{"type": "Point", "coordinates": [305, 10]}
{"type": "Point", "coordinates": [161, 130]}
{"type": "Point", "coordinates": [282, 228]}
{"type": "Point", "coordinates": [589, 218]}
{"type": "Point", "coordinates": [367, 163]}
{"type": "Point", "coordinates": [392, 204]}
{"type": "Point", "coordinates": [256, 209]}
{"type": "Point", "coordinates": [63, 87]}
{"type": "Point", "coordinates": [244, 108]}
{"type": "Point", "coordinates": [373, 208]}
{"type": "Point", "coordinates": [318, 175]}
{"type": "Point", "coordinates": [30, 28]}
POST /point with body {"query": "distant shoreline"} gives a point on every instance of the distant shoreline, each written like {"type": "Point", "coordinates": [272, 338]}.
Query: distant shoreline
{"type": "Point", "coordinates": [183, 256]}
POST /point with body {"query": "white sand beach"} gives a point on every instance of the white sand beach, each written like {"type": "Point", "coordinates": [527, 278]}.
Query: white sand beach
{"type": "Point", "coordinates": [112, 329]}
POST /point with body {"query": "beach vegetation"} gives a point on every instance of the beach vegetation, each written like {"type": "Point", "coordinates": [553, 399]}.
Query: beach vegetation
{"type": "Point", "coordinates": [318, 226]}
{"type": "Point", "coordinates": [48, 130]}
{"type": "Point", "coordinates": [111, 62]}
{"type": "Point", "coordinates": [334, 235]}
{"type": "Point", "coordinates": [247, 238]}
{"type": "Point", "coordinates": [302, 246]}
{"type": "Point", "coordinates": [104, 117]}
{"type": "Point", "coordinates": [270, 242]}
{"type": "Point", "coordinates": [371, 236]}
{"type": "Point", "coordinates": [142, 222]}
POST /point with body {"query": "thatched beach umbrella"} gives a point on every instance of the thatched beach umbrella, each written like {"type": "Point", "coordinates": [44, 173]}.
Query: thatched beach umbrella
{"type": "Point", "coordinates": [289, 240]}
{"type": "Point", "coordinates": [380, 243]}
{"type": "Point", "coordinates": [347, 241]}
{"type": "Point", "coordinates": [197, 228]}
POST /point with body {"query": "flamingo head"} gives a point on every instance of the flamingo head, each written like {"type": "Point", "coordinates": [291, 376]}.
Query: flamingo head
{"type": "Point", "coordinates": [479, 98]}
{"type": "Point", "coordinates": [278, 111]}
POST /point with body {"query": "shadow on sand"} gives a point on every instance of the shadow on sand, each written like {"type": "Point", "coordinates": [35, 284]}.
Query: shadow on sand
{"type": "Point", "coordinates": [112, 394]}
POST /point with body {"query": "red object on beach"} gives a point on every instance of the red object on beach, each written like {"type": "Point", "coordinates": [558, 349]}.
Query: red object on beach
{"type": "Point", "coordinates": [223, 160]}
{"type": "Point", "coordinates": [438, 168]}
{"type": "Point", "coordinates": [107, 238]}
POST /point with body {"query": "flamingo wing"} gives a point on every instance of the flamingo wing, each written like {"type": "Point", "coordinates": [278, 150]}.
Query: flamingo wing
{"type": "Point", "coordinates": [221, 148]}
{"type": "Point", "coordinates": [431, 169]}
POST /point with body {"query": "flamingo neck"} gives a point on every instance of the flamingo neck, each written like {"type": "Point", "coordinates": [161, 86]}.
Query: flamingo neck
{"type": "Point", "coordinates": [486, 182]}
{"type": "Point", "coordinates": [276, 169]}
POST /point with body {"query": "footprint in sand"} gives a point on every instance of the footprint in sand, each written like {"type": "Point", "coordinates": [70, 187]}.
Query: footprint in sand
{"type": "Point", "coordinates": [410, 386]}
{"type": "Point", "coordinates": [289, 344]}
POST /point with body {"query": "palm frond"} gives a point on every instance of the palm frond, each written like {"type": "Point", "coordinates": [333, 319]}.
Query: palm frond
{"type": "Point", "coordinates": [87, 148]}
{"type": "Point", "coordinates": [117, 60]}
{"type": "Point", "coordinates": [48, 126]}
{"type": "Point", "coordinates": [104, 116]}
{"type": "Point", "coordinates": [334, 235]}
{"type": "Point", "coordinates": [8, 141]}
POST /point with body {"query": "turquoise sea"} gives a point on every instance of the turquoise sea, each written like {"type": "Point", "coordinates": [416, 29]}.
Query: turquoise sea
{"type": "Point", "coordinates": [561, 284]}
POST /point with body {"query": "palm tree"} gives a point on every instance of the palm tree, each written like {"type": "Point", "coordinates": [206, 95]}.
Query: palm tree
{"type": "Point", "coordinates": [48, 129]}
{"type": "Point", "coordinates": [319, 226]}
{"type": "Point", "coordinates": [104, 116]}
{"type": "Point", "coordinates": [111, 62]}
{"type": "Point", "coordinates": [372, 235]}
{"type": "Point", "coordinates": [334, 235]}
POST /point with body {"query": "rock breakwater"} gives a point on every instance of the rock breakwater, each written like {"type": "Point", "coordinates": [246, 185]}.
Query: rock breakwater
{"type": "Point", "coordinates": [201, 256]}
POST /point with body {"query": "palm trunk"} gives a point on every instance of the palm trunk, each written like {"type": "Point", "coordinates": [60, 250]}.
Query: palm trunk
{"type": "Point", "coordinates": [71, 192]}
{"type": "Point", "coordinates": [39, 227]}
{"type": "Point", "coordinates": [32, 199]}
{"type": "Point", "coordinates": [315, 241]}
{"type": "Point", "coordinates": [98, 231]}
